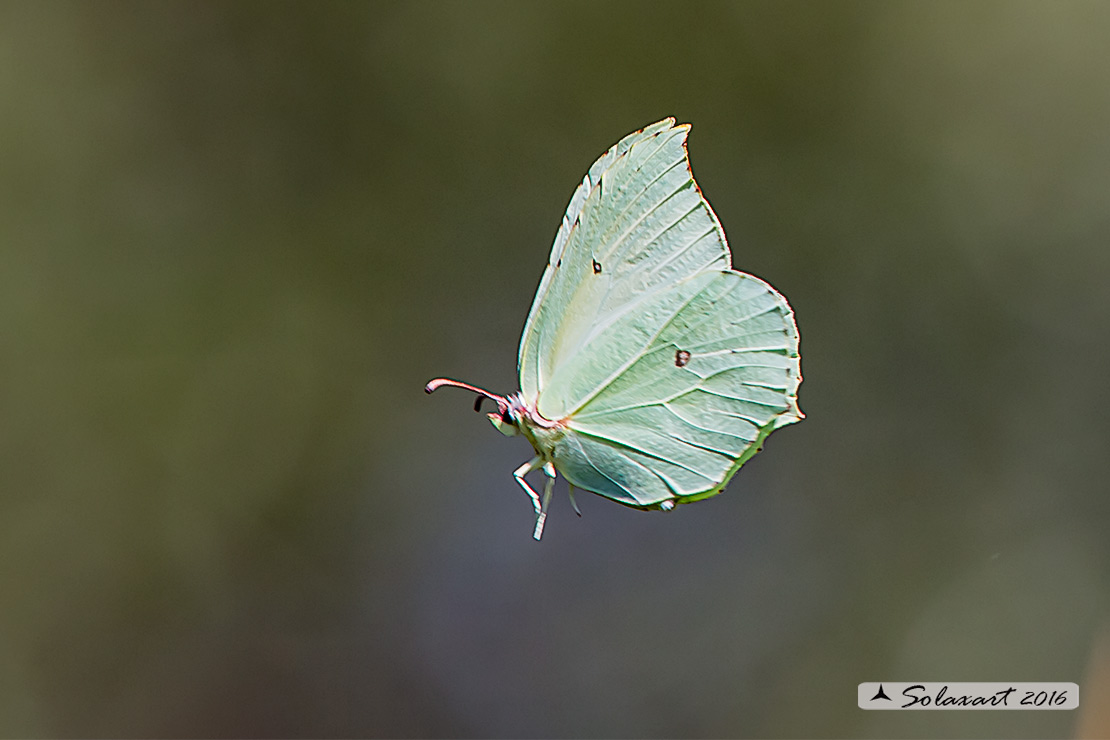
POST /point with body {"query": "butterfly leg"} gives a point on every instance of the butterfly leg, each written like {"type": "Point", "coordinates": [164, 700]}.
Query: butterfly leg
{"type": "Point", "coordinates": [534, 464]}
{"type": "Point", "coordinates": [570, 492]}
{"type": "Point", "coordinates": [548, 487]}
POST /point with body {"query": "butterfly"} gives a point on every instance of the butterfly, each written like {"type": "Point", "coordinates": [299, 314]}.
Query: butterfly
{"type": "Point", "coordinates": [650, 370]}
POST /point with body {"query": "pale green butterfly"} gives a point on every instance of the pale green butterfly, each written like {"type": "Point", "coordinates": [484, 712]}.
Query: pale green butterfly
{"type": "Point", "coordinates": [649, 370]}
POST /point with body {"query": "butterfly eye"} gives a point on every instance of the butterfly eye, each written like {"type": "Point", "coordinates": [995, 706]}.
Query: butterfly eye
{"type": "Point", "coordinates": [597, 267]}
{"type": "Point", "coordinates": [503, 413]}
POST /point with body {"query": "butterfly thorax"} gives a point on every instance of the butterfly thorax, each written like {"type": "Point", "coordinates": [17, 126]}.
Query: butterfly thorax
{"type": "Point", "coordinates": [543, 433]}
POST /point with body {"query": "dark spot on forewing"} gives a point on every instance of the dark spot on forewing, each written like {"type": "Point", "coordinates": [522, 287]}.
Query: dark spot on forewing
{"type": "Point", "coordinates": [597, 267]}
{"type": "Point", "coordinates": [681, 357]}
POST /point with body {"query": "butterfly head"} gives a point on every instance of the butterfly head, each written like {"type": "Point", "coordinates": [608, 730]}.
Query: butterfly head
{"type": "Point", "coordinates": [503, 421]}
{"type": "Point", "coordinates": [512, 416]}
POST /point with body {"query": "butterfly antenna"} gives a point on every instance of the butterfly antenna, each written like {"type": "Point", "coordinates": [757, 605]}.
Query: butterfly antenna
{"type": "Point", "coordinates": [501, 401]}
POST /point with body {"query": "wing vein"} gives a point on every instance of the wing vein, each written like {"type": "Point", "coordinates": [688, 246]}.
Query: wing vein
{"type": "Point", "coordinates": [645, 453]}
{"type": "Point", "coordinates": [620, 371]}
{"type": "Point", "coordinates": [636, 198]}
{"type": "Point", "coordinates": [603, 474]}
{"type": "Point", "coordinates": [627, 232]}
{"type": "Point", "coordinates": [768, 404]}
{"type": "Point", "coordinates": [684, 420]}
{"type": "Point", "coordinates": [618, 315]}
{"type": "Point", "coordinates": [655, 270]}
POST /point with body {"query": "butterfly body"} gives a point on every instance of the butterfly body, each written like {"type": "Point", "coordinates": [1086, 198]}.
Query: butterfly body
{"type": "Point", "coordinates": [650, 370]}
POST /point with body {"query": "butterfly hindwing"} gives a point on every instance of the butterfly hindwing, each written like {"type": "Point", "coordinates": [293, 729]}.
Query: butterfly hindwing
{"type": "Point", "coordinates": [712, 369]}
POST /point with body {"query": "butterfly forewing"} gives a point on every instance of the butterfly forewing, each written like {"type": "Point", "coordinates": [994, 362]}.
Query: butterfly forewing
{"type": "Point", "coordinates": [527, 357]}
{"type": "Point", "coordinates": [636, 226]}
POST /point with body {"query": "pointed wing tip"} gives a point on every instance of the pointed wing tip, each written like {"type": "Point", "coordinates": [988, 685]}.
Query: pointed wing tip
{"type": "Point", "coordinates": [660, 126]}
{"type": "Point", "coordinates": [673, 125]}
{"type": "Point", "coordinates": [666, 122]}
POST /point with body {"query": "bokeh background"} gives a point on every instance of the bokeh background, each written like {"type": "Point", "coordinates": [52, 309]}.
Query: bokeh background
{"type": "Point", "coordinates": [237, 239]}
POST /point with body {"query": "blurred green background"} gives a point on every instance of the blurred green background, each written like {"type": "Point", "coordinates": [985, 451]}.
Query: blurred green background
{"type": "Point", "coordinates": [237, 239]}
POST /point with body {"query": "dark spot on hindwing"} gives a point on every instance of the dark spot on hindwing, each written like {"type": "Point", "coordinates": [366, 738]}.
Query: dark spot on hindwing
{"type": "Point", "coordinates": [597, 267]}
{"type": "Point", "coordinates": [681, 357]}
